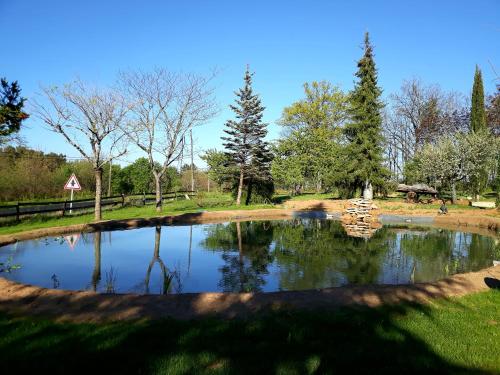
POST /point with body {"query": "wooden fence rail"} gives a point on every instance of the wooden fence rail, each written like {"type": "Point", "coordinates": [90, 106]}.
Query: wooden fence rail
{"type": "Point", "coordinates": [34, 208]}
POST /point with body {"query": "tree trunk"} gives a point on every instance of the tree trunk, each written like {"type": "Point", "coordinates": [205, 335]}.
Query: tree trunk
{"type": "Point", "coordinates": [240, 251]}
{"type": "Point", "coordinates": [240, 188]}
{"type": "Point", "coordinates": [98, 194]}
{"type": "Point", "coordinates": [96, 274]}
{"type": "Point", "coordinates": [158, 192]}
{"type": "Point", "coordinates": [192, 161]}
{"type": "Point", "coordinates": [249, 192]}
{"type": "Point", "coordinates": [157, 241]}
{"type": "Point", "coordinates": [453, 193]}
{"type": "Point", "coordinates": [109, 177]}
{"type": "Point", "coordinates": [368, 190]}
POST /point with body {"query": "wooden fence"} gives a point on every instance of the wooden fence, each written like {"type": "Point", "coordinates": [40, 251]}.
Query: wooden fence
{"type": "Point", "coordinates": [64, 207]}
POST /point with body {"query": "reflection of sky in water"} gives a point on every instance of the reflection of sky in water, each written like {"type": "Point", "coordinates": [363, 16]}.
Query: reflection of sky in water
{"type": "Point", "coordinates": [278, 255]}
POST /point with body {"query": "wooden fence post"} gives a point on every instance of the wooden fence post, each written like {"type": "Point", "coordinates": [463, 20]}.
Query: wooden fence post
{"type": "Point", "coordinates": [64, 208]}
{"type": "Point", "coordinates": [17, 211]}
{"type": "Point", "coordinates": [123, 199]}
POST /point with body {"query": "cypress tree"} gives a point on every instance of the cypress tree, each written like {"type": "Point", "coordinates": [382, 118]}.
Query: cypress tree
{"type": "Point", "coordinates": [364, 131]}
{"type": "Point", "coordinates": [477, 112]}
{"type": "Point", "coordinates": [245, 145]}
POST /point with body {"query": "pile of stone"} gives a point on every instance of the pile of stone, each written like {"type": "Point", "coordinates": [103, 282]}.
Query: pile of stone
{"type": "Point", "coordinates": [358, 219]}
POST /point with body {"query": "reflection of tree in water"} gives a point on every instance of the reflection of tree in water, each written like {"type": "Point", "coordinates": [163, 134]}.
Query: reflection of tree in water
{"type": "Point", "coordinates": [313, 253]}
{"type": "Point", "coordinates": [245, 251]}
{"type": "Point", "coordinates": [316, 253]}
{"type": "Point", "coordinates": [167, 276]}
{"type": "Point", "coordinates": [438, 253]}
{"type": "Point", "coordinates": [96, 274]}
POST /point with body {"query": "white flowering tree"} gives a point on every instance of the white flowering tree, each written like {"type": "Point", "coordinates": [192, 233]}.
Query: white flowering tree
{"type": "Point", "coordinates": [467, 157]}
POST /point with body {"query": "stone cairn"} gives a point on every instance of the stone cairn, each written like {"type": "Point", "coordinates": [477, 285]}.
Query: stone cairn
{"type": "Point", "coordinates": [358, 220]}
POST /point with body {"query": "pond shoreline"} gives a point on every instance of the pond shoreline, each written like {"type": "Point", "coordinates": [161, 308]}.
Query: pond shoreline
{"type": "Point", "coordinates": [79, 306]}
{"type": "Point", "coordinates": [85, 306]}
{"type": "Point", "coordinates": [480, 224]}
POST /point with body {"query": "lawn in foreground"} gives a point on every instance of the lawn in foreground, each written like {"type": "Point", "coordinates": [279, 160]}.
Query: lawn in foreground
{"type": "Point", "coordinates": [457, 336]}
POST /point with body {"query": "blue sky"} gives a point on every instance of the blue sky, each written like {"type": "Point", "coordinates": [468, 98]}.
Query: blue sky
{"type": "Point", "coordinates": [286, 43]}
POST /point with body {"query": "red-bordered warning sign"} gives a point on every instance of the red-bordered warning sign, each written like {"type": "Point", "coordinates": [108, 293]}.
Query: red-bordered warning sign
{"type": "Point", "coordinates": [72, 239]}
{"type": "Point", "coordinates": [72, 183]}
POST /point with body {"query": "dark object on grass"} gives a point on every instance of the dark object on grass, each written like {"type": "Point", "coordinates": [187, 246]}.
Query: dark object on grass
{"type": "Point", "coordinates": [414, 191]}
{"type": "Point", "coordinates": [492, 282]}
{"type": "Point", "coordinates": [443, 210]}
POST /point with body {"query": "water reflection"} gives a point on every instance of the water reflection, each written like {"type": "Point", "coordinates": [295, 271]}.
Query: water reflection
{"type": "Point", "coordinates": [96, 274]}
{"type": "Point", "coordinates": [245, 253]}
{"type": "Point", "coordinates": [248, 256]}
{"type": "Point", "coordinates": [305, 254]}
{"type": "Point", "coordinates": [166, 276]}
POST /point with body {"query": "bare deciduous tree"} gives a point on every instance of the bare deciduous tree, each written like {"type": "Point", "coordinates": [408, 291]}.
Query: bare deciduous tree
{"type": "Point", "coordinates": [418, 115]}
{"type": "Point", "coordinates": [164, 106]}
{"type": "Point", "coordinates": [88, 118]}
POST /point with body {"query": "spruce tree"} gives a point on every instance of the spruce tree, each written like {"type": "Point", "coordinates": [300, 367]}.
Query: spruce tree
{"type": "Point", "coordinates": [11, 108]}
{"type": "Point", "coordinates": [245, 145]}
{"type": "Point", "coordinates": [364, 130]}
{"type": "Point", "coordinates": [478, 112]}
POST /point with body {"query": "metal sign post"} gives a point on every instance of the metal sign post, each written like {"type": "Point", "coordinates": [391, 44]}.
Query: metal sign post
{"type": "Point", "coordinates": [72, 185]}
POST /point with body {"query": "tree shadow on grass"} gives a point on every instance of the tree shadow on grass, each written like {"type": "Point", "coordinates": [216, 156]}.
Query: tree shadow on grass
{"type": "Point", "coordinates": [346, 340]}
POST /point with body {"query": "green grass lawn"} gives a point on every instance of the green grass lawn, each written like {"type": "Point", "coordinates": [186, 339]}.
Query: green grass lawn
{"type": "Point", "coordinates": [458, 336]}
{"type": "Point", "coordinates": [208, 202]}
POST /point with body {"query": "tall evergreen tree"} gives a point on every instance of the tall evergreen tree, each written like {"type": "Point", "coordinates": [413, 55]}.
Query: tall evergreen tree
{"type": "Point", "coordinates": [478, 112]}
{"type": "Point", "coordinates": [364, 130]}
{"type": "Point", "coordinates": [245, 145]}
{"type": "Point", "coordinates": [11, 108]}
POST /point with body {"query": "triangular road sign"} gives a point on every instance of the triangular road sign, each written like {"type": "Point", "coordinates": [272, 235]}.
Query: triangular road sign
{"type": "Point", "coordinates": [72, 239]}
{"type": "Point", "coordinates": [72, 183]}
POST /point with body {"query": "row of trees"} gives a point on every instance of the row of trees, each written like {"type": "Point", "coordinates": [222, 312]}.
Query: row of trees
{"type": "Point", "coordinates": [353, 142]}
{"type": "Point", "coordinates": [466, 155]}
{"type": "Point", "coordinates": [154, 110]}
{"type": "Point", "coordinates": [330, 140]}
{"type": "Point", "coordinates": [29, 174]}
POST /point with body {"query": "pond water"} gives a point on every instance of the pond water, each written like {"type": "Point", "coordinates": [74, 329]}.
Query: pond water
{"type": "Point", "coordinates": [293, 254]}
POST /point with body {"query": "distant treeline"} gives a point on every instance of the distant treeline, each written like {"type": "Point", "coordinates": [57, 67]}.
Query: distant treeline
{"type": "Point", "coordinates": [29, 174]}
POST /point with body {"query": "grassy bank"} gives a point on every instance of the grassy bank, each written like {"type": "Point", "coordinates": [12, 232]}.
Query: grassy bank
{"type": "Point", "coordinates": [457, 336]}
{"type": "Point", "coordinates": [206, 202]}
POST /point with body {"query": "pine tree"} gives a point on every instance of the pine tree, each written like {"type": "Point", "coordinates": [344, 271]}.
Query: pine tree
{"type": "Point", "coordinates": [478, 112]}
{"type": "Point", "coordinates": [364, 131]}
{"type": "Point", "coordinates": [245, 145]}
{"type": "Point", "coordinates": [11, 108]}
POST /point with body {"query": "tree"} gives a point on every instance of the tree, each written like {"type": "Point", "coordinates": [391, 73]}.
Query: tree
{"type": "Point", "coordinates": [493, 111]}
{"type": "Point", "coordinates": [420, 114]}
{"type": "Point", "coordinates": [324, 106]}
{"type": "Point", "coordinates": [307, 152]}
{"type": "Point", "coordinates": [441, 164]}
{"type": "Point", "coordinates": [481, 152]}
{"type": "Point", "coordinates": [464, 157]}
{"type": "Point", "coordinates": [219, 167]}
{"type": "Point", "coordinates": [308, 157]}
{"type": "Point", "coordinates": [164, 107]}
{"type": "Point", "coordinates": [11, 109]}
{"type": "Point", "coordinates": [478, 113]}
{"type": "Point", "coordinates": [364, 130]}
{"type": "Point", "coordinates": [88, 118]}
{"type": "Point", "coordinates": [245, 145]}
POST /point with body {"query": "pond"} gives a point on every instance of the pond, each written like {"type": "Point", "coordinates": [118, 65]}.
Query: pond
{"type": "Point", "coordinates": [293, 254]}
